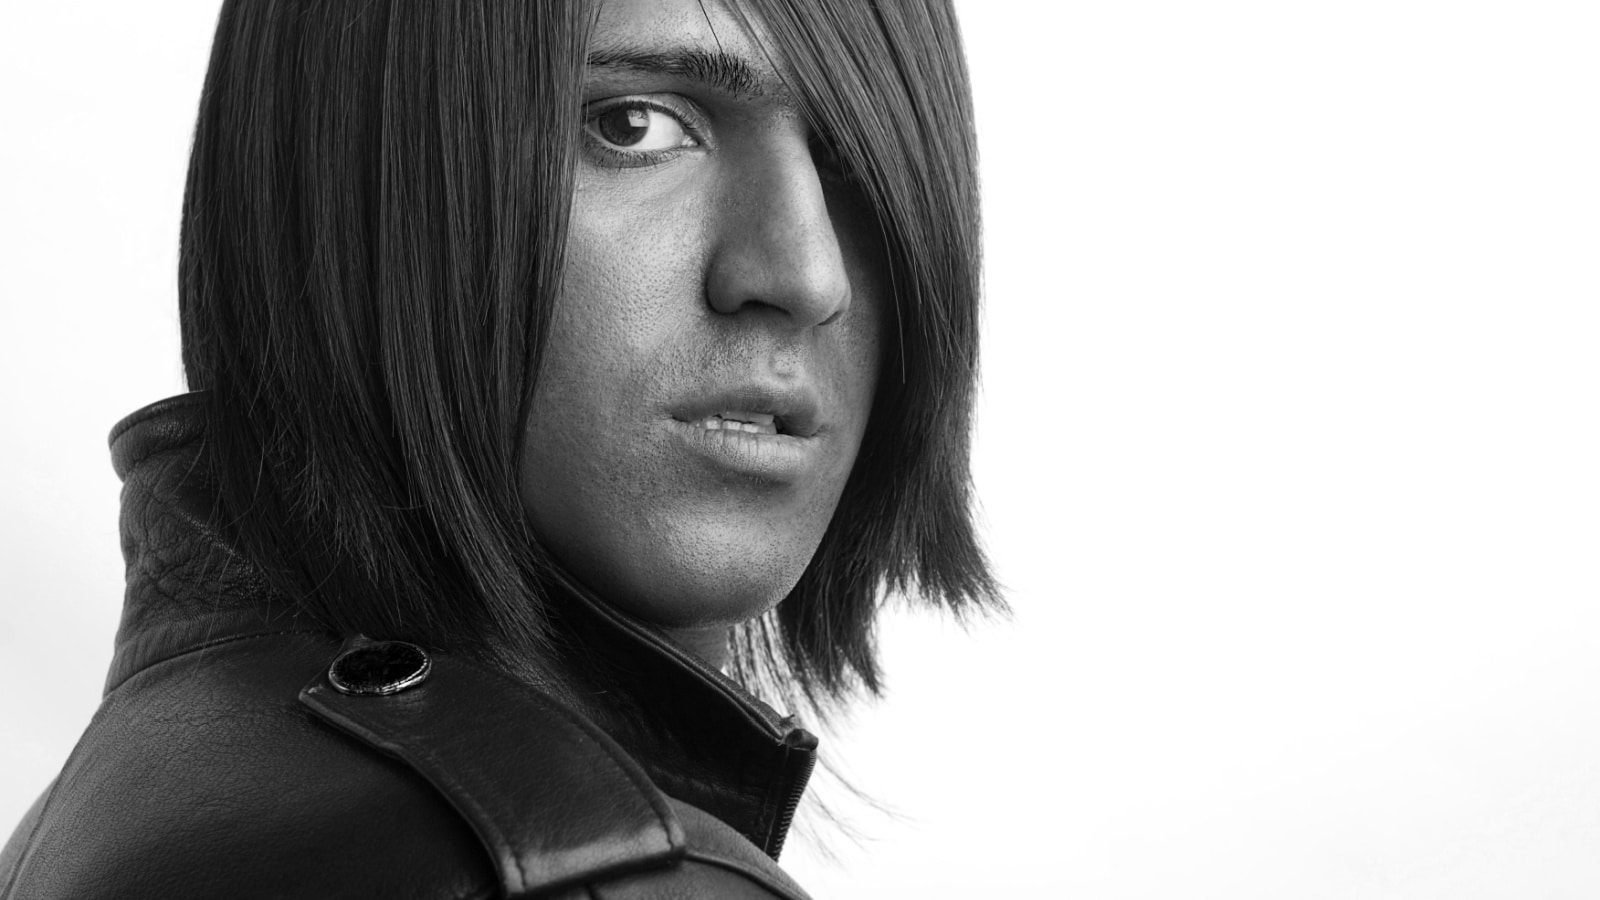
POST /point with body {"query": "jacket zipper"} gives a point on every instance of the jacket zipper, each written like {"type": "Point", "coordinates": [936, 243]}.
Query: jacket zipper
{"type": "Point", "coordinates": [799, 747]}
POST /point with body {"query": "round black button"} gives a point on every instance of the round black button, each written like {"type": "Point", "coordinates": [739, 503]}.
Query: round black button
{"type": "Point", "coordinates": [387, 667]}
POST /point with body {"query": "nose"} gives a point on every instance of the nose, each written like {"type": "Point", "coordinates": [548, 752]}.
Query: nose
{"type": "Point", "coordinates": [777, 247]}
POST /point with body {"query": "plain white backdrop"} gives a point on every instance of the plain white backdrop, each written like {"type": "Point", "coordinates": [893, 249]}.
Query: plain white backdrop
{"type": "Point", "coordinates": [1289, 447]}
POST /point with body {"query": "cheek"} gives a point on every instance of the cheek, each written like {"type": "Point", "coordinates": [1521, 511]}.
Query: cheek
{"type": "Point", "coordinates": [607, 486]}
{"type": "Point", "coordinates": [609, 311]}
{"type": "Point", "coordinates": [588, 457]}
{"type": "Point", "coordinates": [616, 324]}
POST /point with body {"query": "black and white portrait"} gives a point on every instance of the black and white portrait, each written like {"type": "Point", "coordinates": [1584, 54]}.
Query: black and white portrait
{"type": "Point", "coordinates": [799, 448]}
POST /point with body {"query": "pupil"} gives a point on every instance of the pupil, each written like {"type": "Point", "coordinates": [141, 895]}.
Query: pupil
{"type": "Point", "coordinates": [624, 127]}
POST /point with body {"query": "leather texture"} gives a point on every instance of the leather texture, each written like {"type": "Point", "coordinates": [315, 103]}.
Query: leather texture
{"type": "Point", "coordinates": [612, 818]}
{"type": "Point", "coordinates": [222, 762]}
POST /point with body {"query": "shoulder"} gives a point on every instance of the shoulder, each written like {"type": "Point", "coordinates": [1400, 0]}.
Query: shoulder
{"type": "Point", "coordinates": [236, 770]}
{"type": "Point", "coordinates": [202, 775]}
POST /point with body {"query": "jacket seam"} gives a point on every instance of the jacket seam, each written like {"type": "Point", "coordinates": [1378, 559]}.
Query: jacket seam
{"type": "Point", "coordinates": [216, 642]}
{"type": "Point", "coordinates": [750, 872]}
{"type": "Point", "coordinates": [170, 509]}
{"type": "Point", "coordinates": [643, 785]}
{"type": "Point", "coordinates": [646, 790]}
{"type": "Point", "coordinates": [457, 793]}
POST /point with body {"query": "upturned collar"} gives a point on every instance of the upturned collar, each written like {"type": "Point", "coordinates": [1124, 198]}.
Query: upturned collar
{"type": "Point", "coordinates": [702, 738]}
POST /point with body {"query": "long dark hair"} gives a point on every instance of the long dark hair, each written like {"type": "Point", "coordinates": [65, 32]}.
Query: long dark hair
{"type": "Point", "coordinates": [372, 243]}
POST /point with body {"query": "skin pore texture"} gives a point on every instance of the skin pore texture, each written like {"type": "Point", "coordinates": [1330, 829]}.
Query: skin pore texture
{"type": "Point", "coordinates": [715, 348]}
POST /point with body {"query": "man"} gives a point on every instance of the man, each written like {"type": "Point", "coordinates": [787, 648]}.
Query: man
{"type": "Point", "coordinates": [547, 361]}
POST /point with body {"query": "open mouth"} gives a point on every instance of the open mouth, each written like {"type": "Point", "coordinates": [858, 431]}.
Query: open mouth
{"type": "Point", "coordinates": [748, 422]}
{"type": "Point", "coordinates": [773, 446]}
{"type": "Point", "coordinates": [758, 410]}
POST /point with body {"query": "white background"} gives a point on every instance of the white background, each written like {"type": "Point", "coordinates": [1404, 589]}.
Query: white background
{"type": "Point", "coordinates": [1288, 451]}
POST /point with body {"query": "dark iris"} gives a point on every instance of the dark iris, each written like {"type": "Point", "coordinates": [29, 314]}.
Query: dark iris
{"type": "Point", "coordinates": [623, 126]}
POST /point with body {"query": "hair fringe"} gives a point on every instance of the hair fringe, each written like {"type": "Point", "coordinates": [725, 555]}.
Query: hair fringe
{"type": "Point", "coordinates": [886, 86]}
{"type": "Point", "coordinates": [373, 233]}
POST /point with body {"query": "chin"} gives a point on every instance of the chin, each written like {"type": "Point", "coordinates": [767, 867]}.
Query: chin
{"type": "Point", "coordinates": [704, 597]}
{"type": "Point", "coordinates": [710, 575]}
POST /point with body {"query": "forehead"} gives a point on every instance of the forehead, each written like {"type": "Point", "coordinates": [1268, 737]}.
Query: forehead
{"type": "Point", "coordinates": [676, 21]}
{"type": "Point", "coordinates": [703, 39]}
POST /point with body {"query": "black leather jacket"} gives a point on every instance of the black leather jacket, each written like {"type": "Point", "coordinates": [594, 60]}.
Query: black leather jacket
{"type": "Point", "coordinates": [223, 762]}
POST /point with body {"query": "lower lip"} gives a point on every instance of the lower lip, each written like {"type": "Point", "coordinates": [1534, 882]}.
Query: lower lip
{"type": "Point", "coordinates": [769, 457]}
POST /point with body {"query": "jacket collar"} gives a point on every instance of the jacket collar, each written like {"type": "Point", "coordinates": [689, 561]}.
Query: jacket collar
{"type": "Point", "coordinates": [700, 737]}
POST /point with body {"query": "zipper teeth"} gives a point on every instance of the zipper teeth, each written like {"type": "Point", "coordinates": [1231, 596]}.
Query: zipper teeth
{"type": "Point", "coordinates": [797, 789]}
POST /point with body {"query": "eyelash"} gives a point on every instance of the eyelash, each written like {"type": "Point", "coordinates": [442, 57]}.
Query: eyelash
{"type": "Point", "coordinates": [830, 165]}
{"type": "Point", "coordinates": [622, 159]}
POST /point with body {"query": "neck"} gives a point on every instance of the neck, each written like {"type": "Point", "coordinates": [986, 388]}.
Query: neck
{"type": "Point", "coordinates": [710, 643]}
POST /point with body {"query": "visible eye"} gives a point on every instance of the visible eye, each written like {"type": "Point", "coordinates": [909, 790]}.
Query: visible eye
{"type": "Point", "coordinates": [639, 127]}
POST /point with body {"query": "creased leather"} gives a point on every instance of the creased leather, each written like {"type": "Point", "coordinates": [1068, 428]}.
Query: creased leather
{"type": "Point", "coordinates": [220, 764]}
{"type": "Point", "coordinates": [583, 810]}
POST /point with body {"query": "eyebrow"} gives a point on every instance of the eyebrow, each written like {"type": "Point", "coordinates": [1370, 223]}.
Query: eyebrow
{"type": "Point", "coordinates": [718, 69]}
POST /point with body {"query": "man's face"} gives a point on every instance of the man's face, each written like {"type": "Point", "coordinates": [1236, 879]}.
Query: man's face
{"type": "Point", "coordinates": [715, 348]}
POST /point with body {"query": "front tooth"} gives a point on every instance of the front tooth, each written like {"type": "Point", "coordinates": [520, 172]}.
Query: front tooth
{"type": "Point", "coordinates": [757, 418]}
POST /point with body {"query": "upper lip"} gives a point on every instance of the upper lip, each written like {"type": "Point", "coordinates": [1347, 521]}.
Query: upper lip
{"type": "Point", "coordinates": [796, 407]}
